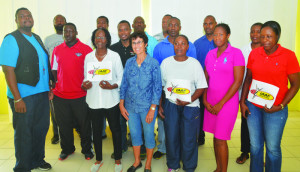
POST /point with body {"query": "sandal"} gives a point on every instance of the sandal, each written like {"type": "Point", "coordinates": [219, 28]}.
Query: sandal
{"type": "Point", "coordinates": [243, 158]}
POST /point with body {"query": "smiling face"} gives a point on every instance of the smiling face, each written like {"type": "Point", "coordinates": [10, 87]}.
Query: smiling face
{"type": "Point", "coordinates": [24, 20]}
{"type": "Point", "coordinates": [102, 23]}
{"type": "Point", "coordinates": [255, 34]}
{"type": "Point", "coordinates": [268, 39]}
{"type": "Point", "coordinates": [69, 34]}
{"type": "Point", "coordinates": [124, 31]}
{"type": "Point", "coordinates": [138, 46]}
{"type": "Point", "coordinates": [100, 39]}
{"type": "Point", "coordinates": [181, 46]}
{"type": "Point", "coordinates": [220, 37]}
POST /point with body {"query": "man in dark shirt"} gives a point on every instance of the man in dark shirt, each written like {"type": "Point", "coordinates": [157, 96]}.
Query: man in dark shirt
{"type": "Point", "coordinates": [124, 49]}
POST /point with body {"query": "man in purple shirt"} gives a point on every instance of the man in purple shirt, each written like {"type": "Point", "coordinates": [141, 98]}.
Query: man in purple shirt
{"type": "Point", "coordinates": [203, 46]}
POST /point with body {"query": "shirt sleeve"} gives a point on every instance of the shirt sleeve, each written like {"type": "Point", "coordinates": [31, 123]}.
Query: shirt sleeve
{"type": "Point", "coordinates": [192, 51]}
{"type": "Point", "coordinates": [85, 67]}
{"type": "Point", "coordinates": [54, 64]}
{"type": "Point", "coordinates": [124, 83]}
{"type": "Point", "coordinates": [162, 69]}
{"type": "Point", "coordinates": [119, 70]}
{"type": "Point", "coordinates": [157, 85]}
{"type": "Point", "coordinates": [292, 64]}
{"type": "Point", "coordinates": [239, 59]}
{"type": "Point", "coordinates": [9, 51]}
{"type": "Point", "coordinates": [200, 80]}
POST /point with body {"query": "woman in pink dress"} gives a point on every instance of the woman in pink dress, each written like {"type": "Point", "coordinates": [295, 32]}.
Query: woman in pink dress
{"type": "Point", "coordinates": [224, 72]}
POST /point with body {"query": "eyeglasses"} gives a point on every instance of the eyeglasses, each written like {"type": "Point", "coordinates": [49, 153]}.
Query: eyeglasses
{"type": "Point", "coordinates": [101, 37]}
{"type": "Point", "coordinates": [137, 43]}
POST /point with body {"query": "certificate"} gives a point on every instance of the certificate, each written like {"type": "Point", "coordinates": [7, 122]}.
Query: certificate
{"type": "Point", "coordinates": [262, 93]}
{"type": "Point", "coordinates": [178, 89]}
{"type": "Point", "coordinates": [97, 71]}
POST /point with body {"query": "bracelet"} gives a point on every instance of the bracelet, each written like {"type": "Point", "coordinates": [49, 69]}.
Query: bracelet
{"type": "Point", "coordinates": [16, 101]}
{"type": "Point", "coordinates": [282, 107]}
{"type": "Point", "coordinates": [152, 108]}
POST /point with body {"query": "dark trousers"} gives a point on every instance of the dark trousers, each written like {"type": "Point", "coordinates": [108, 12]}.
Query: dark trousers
{"type": "Point", "coordinates": [201, 136]}
{"type": "Point", "coordinates": [66, 110]}
{"type": "Point", "coordinates": [123, 132]}
{"type": "Point", "coordinates": [113, 118]}
{"type": "Point", "coordinates": [181, 129]}
{"type": "Point", "coordinates": [245, 140]}
{"type": "Point", "coordinates": [53, 120]}
{"type": "Point", "coordinates": [30, 130]}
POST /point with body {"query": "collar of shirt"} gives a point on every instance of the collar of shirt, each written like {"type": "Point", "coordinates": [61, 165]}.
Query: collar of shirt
{"type": "Point", "coordinates": [145, 62]}
{"type": "Point", "coordinates": [74, 46]}
{"type": "Point", "coordinates": [276, 53]}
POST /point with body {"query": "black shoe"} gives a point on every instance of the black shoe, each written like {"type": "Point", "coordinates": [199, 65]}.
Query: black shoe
{"type": "Point", "coordinates": [104, 137]}
{"type": "Point", "coordinates": [133, 169]}
{"type": "Point", "coordinates": [89, 156]}
{"type": "Point", "coordinates": [55, 139]}
{"type": "Point", "coordinates": [45, 166]}
{"type": "Point", "coordinates": [158, 155]}
{"type": "Point", "coordinates": [64, 156]}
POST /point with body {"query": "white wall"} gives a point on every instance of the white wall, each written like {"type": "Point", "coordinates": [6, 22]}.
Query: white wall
{"type": "Point", "coordinates": [239, 14]}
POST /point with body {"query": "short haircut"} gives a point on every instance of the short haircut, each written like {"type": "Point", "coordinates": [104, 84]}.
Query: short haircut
{"type": "Point", "coordinates": [19, 9]}
{"type": "Point", "coordinates": [71, 24]}
{"type": "Point", "coordinates": [176, 19]}
{"type": "Point", "coordinates": [104, 17]}
{"type": "Point", "coordinates": [257, 24]}
{"type": "Point", "coordinates": [138, 34]}
{"type": "Point", "coordinates": [125, 21]}
{"type": "Point", "coordinates": [168, 15]}
{"type": "Point", "coordinates": [107, 36]}
{"type": "Point", "coordinates": [211, 17]}
{"type": "Point", "coordinates": [61, 16]}
{"type": "Point", "coordinates": [225, 27]}
{"type": "Point", "coordinates": [185, 37]}
{"type": "Point", "coordinates": [138, 17]}
{"type": "Point", "coordinates": [274, 26]}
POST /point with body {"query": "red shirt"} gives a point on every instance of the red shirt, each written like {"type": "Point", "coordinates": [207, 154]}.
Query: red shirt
{"type": "Point", "coordinates": [273, 69]}
{"type": "Point", "coordinates": [69, 63]}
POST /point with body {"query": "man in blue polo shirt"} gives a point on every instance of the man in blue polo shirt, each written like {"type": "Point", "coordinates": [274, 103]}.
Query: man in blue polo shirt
{"type": "Point", "coordinates": [203, 46]}
{"type": "Point", "coordinates": [25, 64]}
{"type": "Point", "coordinates": [163, 50]}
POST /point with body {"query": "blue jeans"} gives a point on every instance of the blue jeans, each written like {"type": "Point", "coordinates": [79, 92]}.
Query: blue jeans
{"type": "Point", "coordinates": [137, 123]}
{"type": "Point", "coordinates": [182, 124]}
{"type": "Point", "coordinates": [265, 128]}
{"type": "Point", "coordinates": [30, 130]}
{"type": "Point", "coordinates": [161, 136]}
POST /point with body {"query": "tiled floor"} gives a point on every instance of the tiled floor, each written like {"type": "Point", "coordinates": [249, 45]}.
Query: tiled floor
{"type": "Point", "coordinates": [206, 162]}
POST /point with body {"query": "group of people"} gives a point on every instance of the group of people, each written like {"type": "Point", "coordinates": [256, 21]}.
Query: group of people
{"type": "Point", "coordinates": [191, 88]}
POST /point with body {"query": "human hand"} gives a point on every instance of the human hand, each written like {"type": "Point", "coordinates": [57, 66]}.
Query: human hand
{"type": "Point", "coordinates": [105, 85]}
{"type": "Point", "coordinates": [150, 116]}
{"type": "Point", "coordinates": [86, 85]}
{"type": "Point", "coordinates": [245, 110]}
{"type": "Point", "coordinates": [20, 107]}
{"type": "Point", "coordinates": [161, 112]}
{"type": "Point", "coordinates": [181, 103]}
{"type": "Point", "coordinates": [124, 112]}
{"type": "Point", "coordinates": [273, 109]}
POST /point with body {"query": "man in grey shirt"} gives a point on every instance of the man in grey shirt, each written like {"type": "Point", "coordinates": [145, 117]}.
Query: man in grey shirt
{"type": "Point", "coordinates": [51, 42]}
{"type": "Point", "coordinates": [162, 35]}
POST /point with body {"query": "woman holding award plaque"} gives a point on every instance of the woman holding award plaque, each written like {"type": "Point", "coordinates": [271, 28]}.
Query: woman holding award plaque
{"type": "Point", "coordinates": [269, 69]}
{"type": "Point", "coordinates": [183, 81]}
{"type": "Point", "coordinates": [224, 73]}
{"type": "Point", "coordinates": [140, 94]}
{"type": "Point", "coordinates": [103, 73]}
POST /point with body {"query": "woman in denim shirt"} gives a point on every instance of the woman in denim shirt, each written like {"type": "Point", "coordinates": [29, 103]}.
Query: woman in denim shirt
{"type": "Point", "coordinates": [140, 93]}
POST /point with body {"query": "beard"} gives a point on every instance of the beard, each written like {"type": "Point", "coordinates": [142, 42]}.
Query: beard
{"type": "Point", "coordinates": [59, 27]}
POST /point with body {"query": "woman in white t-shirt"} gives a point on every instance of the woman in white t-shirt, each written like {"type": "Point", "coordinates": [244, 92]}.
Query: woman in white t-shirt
{"type": "Point", "coordinates": [103, 73]}
{"type": "Point", "coordinates": [184, 82]}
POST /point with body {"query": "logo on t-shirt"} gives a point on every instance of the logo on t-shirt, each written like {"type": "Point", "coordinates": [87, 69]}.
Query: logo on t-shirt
{"type": "Point", "coordinates": [78, 54]}
{"type": "Point", "coordinates": [175, 90]}
{"type": "Point", "coordinates": [225, 60]}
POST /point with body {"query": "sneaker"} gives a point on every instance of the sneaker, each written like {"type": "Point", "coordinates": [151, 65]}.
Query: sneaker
{"type": "Point", "coordinates": [173, 170]}
{"type": "Point", "coordinates": [158, 155]}
{"type": "Point", "coordinates": [45, 166]}
{"type": "Point", "coordinates": [96, 167]}
{"type": "Point", "coordinates": [118, 167]}
{"type": "Point", "coordinates": [89, 156]}
{"type": "Point", "coordinates": [64, 156]}
{"type": "Point", "coordinates": [113, 154]}
{"type": "Point", "coordinates": [55, 139]}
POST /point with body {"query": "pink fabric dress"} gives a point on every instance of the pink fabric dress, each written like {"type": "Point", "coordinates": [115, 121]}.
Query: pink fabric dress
{"type": "Point", "coordinates": [221, 77]}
